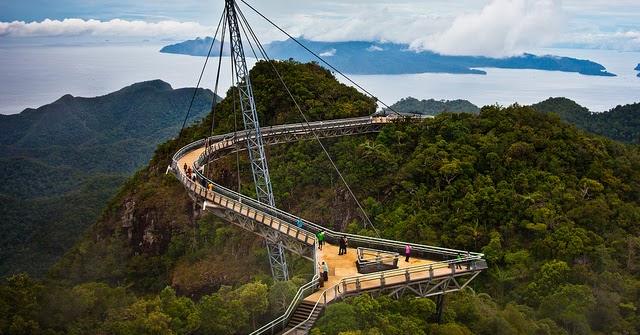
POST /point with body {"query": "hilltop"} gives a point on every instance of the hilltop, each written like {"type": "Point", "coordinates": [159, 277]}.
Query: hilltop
{"type": "Point", "coordinates": [357, 57]}
{"type": "Point", "coordinates": [412, 105]}
{"type": "Point", "coordinates": [64, 160]}
{"type": "Point", "coordinates": [621, 123]}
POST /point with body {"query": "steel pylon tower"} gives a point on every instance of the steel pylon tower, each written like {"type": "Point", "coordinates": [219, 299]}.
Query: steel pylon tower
{"type": "Point", "coordinates": [255, 146]}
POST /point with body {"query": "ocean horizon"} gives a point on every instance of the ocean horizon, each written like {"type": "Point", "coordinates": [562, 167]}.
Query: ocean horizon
{"type": "Point", "coordinates": [33, 76]}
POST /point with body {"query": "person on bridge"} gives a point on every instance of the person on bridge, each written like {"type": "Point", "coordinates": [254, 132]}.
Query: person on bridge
{"type": "Point", "coordinates": [320, 239]}
{"type": "Point", "coordinates": [300, 223]}
{"type": "Point", "coordinates": [407, 251]}
{"type": "Point", "coordinates": [325, 269]}
{"type": "Point", "coordinates": [185, 167]}
{"type": "Point", "coordinates": [343, 245]}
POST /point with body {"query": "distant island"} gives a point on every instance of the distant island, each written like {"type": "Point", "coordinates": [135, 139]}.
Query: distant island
{"type": "Point", "coordinates": [393, 58]}
{"type": "Point", "coordinates": [411, 105]}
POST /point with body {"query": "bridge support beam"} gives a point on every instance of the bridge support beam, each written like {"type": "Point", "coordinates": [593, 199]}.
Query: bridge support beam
{"type": "Point", "coordinates": [277, 261]}
{"type": "Point", "coordinates": [439, 307]}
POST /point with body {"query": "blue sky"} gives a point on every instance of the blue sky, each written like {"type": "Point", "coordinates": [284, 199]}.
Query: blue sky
{"type": "Point", "coordinates": [477, 27]}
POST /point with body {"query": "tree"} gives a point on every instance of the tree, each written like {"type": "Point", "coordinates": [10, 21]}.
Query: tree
{"type": "Point", "coordinates": [143, 317]}
{"type": "Point", "coordinates": [221, 315]}
{"type": "Point", "coordinates": [570, 307]}
{"type": "Point", "coordinates": [338, 318]}
{"type": "Point", "coordinates": [182, 311]}
{"type": "Point", "coordinates": [281, 294]}
{"type": "Point", "coordinates": [19, 305]}
{"type": "Point", "coordinates": [551, 276]}
{"type": "Point", "coordinates": [254, 299]}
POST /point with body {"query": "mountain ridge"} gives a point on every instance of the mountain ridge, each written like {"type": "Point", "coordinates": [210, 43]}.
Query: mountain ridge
{"type": "Point", "coordinates": [80, 150]}
{"type": "Point", "coordinates": [621, 123]}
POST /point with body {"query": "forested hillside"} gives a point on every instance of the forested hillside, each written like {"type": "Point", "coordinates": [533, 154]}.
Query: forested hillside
{"type": "Point", "coordinates": [555, 209]}
{"type": "Point", "coordinates": [62, 162]}
{"type": "Point", "coordinates": [621, 123]}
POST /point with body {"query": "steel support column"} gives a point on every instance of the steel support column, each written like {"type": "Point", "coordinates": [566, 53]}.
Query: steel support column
{"type": "Point", "coordinates": [261, 180]}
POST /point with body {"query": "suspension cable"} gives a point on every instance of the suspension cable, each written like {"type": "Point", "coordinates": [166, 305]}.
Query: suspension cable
{"type": "Point", "coordinates": [318, 57]}
{"type": "Point", "coordinates": [201, 74]}
{"type": "Point", "coordinates": [306, 121]}
{"type": "Point", "coordinates": [215, 89]}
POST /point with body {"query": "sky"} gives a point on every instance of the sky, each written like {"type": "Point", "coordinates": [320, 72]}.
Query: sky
{"type": "Point", "coordinates": [496, 28]}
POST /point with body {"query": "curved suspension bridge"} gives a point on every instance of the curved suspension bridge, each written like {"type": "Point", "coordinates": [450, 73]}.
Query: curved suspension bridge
{"type": "Point", "coordinates": [371, 265]}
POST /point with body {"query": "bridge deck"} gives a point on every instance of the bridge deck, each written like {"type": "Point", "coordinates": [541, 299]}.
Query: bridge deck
{"type": "Point", "coordinates": [343, 266]}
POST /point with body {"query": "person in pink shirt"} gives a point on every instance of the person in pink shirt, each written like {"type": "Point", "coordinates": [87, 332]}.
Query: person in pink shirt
{"type": "Point", "coordinates": [407, 251]}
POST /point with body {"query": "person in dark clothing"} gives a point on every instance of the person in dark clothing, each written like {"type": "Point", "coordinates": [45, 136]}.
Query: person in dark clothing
{"type": "Point", "coordinates": [343, 246]}
{"type": "Point", "coordinates": [325, 271]}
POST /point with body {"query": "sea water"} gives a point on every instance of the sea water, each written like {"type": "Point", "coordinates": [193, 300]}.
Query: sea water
{"type": "Point", "coordinates": [32, 76]}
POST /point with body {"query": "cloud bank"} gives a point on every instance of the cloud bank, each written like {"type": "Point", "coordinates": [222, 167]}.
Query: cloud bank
{"type": "Point", "coordinates": [618, 40]}
{"type": "Point", "coordinates": [116, 27]}
{"type": "Point", "coordinates": [499, 28]}
{"type": "Point", "coordinates": [503, 28]}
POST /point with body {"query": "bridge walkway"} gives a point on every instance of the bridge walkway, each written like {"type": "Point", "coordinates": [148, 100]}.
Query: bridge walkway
{"type": "Point", "coordinates": [430, 271]}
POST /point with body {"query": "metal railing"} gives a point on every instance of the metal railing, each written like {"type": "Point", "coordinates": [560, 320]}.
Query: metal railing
{"type": "Point", "coordinates": [372, 260]}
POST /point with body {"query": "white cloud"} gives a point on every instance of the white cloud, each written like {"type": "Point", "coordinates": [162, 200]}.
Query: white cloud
{"type": "Point", "coordinates": [463, 27]}
{"type": "Point", "coordinates": [503, 28]}
{"type": "Point", "coordinates": [618, 40]}
{"type": "Point", "coordinates": [328, 53]}
{"type": "Point", "coordinates": [370, 24]}
{"type": "Point", "coordinates": [116, 27]}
